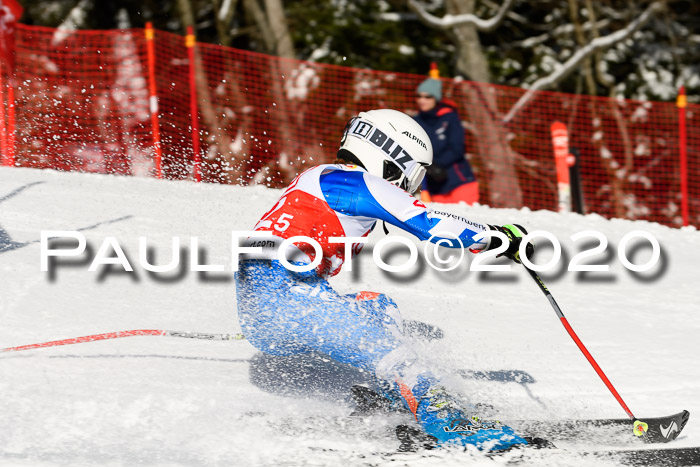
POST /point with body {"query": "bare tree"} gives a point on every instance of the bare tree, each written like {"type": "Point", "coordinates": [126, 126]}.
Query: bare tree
{"type": "Point", "coordinates": [224, 11]}
{"type": "Point", "coordinates": [492, 133]}
{"type": "Point", "coordinates": [210, 116]}
{"type": "Point", "coordinates": [270, 19]}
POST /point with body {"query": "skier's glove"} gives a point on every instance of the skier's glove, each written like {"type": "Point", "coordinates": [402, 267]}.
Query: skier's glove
{"type": "Point", "coordinates": [514, 233]}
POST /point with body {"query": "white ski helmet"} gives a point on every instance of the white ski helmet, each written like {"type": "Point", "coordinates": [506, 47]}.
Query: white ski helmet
{"type": "Point", "coordinates": [390, 145]}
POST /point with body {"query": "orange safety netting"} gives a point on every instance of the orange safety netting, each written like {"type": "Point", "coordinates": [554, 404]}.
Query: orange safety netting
{"type": "Point", "coordinates": [82, 103]}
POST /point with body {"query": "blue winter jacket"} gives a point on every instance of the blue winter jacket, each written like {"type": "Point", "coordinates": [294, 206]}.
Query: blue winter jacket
{"type": "Point", "coordinates": [450, 168]}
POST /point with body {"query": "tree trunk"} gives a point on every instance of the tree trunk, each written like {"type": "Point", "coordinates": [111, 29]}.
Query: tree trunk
{"type": "Point", "coordinates": [278, 27]}
{"type": "Point", "coordinates": [255, 12]}
{"type": "Point", "coordinates": [209, 114]}
{"type": "Point", "coordinates": [223, 23]}
{"type": "Point", "coordinates": [496, 155]}
{"type": "Point", "coordinates": [606, 157]}
{"type": "Point", "coordinates": [606, 81]}
{"type": "Point", "coordinates": [275, 34]}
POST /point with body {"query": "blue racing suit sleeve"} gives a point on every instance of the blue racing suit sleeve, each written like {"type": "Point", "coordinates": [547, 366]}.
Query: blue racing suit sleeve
{"type": "Point", "coordinates": [357, 193]}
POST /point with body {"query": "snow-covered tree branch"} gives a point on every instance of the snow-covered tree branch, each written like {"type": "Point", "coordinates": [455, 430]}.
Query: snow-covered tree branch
{"type": "Point", "coordinates": [450, 21]}
{"type": "Point", "coordinates": [74, 20]}
{"type": "Point", "coordinates": [227, 6]}
{"type": "Point", "coordinates": [559, 31]}
{"type": "Point", "coordinates": [580, 55]}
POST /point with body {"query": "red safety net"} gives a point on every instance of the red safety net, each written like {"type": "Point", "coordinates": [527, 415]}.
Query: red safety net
{"type": "Point", "coordinates": [82, 104]}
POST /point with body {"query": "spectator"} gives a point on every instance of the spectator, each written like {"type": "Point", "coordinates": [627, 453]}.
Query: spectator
{"type": "Point", "coordinates": [450, 179]}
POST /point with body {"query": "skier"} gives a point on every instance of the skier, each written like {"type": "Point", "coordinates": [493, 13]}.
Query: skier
{"type": "Point", "coordinates": [382, 158]}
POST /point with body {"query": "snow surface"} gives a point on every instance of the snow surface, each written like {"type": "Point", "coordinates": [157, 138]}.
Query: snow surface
{"type": "Point", "coordinates": [174, 401]}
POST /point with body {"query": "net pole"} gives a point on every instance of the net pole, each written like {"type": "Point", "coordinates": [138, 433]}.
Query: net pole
{"type": "Point", "coordinates": [153, 99]}
{"type": "Point", "coordinates": [682, 143]}
{"type": "Point", "coordinates": [190, 42]}
{"type": "Point", "coordinates": [3, 135]}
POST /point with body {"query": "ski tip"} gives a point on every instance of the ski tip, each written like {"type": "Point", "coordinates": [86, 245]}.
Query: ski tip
{"type": "Point", "coordinates": [663, 429]}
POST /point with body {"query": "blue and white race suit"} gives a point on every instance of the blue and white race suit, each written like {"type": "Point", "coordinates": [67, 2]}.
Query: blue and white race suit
{"type": "Point", "coordinates": [283, 312]}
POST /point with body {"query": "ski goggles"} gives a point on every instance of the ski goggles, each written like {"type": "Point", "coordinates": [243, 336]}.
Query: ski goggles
{"type": "Point", "coordinates": [410, 181]}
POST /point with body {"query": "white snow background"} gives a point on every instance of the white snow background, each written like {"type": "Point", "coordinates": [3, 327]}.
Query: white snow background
{"type": "Point", "coordinates": [175, 401]}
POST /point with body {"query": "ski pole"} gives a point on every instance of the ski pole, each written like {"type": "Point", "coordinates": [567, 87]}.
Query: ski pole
{"type": "Point", "coordinates": [640, 428]}
{"type": "Point", "coordinates": [134, 332]}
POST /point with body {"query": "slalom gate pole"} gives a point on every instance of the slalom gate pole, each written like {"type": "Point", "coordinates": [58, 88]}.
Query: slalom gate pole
{"type": "Point", "coordinates": [640, 428]}
{"type": "Point", "coordinates": [120, 334]}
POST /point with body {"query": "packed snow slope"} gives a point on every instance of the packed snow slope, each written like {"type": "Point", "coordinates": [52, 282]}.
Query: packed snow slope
{"type": "Point", "coordinates": [175, 401]}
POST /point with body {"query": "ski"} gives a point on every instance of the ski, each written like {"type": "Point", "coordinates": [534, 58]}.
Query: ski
{"type": "Point", "coordinates": [414, 440]}
{"type": "Point", "coordinates": [658, 429]}
{"type": "Point", "coordinates": [130, 333]}
{"type": "Point", "coordinates": [541, 432]}
{"type": "Point", "coordinates": [684, 456]}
